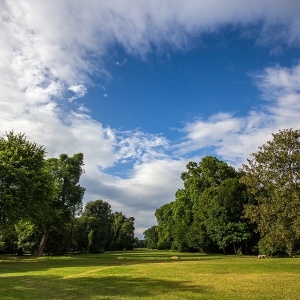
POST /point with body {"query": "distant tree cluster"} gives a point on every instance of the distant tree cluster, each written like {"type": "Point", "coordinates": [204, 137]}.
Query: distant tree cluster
{"type": "Point", "coordinates": [41, 205]}
{"type": "Point", "coordinates": [99, 229]}
{"type": "Point", "coordinates": [224, 210]}
{"type": "Point", "coordinates": [206, 214]}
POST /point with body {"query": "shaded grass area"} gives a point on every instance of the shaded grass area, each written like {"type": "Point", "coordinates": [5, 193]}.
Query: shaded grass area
{"type": "Point", "coordinates": [149, 275]}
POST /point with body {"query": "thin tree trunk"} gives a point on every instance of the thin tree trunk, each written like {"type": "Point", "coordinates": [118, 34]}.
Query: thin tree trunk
{"type": "Point", "coordinates": [234, 248]}
{"type": "Point", "coordinates": [71, 237]}
{"type": "Point", "coordinates": [42, 244]}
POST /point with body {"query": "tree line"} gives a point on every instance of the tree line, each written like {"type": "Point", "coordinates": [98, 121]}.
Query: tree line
{"type": "Point", "coordinates": [220, 209]}
{"type": "Point", "coordinates": [41, 208]}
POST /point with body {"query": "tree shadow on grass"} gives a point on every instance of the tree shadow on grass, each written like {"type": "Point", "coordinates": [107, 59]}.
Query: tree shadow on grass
{"type": "Point", "coordinates": [109, 287]}
{"type": "Point", "coordinates": [25, 264]}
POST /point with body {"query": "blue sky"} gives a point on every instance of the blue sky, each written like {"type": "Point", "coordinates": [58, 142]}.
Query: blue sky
{"type": "Point", "coordinates": [144, 87]}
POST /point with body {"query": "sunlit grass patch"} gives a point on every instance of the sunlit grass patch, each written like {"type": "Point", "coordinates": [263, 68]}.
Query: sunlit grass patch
{"type": "Point", "coordinates": [149, 275]}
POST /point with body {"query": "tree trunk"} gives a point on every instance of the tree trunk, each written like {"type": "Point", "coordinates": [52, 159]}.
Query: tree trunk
{"type": "Point", "coordinates": [71, 238]}
{"type": "Point", "coordinates": [234, 248]}
{"type": "Point", "coordinates": [42, 244]}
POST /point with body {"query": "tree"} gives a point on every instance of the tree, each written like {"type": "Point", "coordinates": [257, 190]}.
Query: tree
{"type": "Point", "coordinates": [8, 240]}
{"type": "Point", "coordinates": [272, 176]}
{"type": "Point", "coordinates": [27, 236]}
{"type": "Point", "coordinates": [151, 237]}
{"type": "Point", "coordinates": [165, 227]}
{"type": "Point", "coordinates": [98, 215]}
{"type": "Point", "coordinates": [126, 236]}
{"type": "Point", "coordinates": [207, 214]}
{"type": "Point", "coordinates": [183, 218]}
{"type": "Point", "coordinates": [26, 186]}
{"type": "Point", "coordinates": [224, 221]}
{"type": "Point", "coordinates": [66, 172]}
{"type": "Point", "coordinates": [190, 232]}
{"type": "Point", "coordinates": [122, 232]}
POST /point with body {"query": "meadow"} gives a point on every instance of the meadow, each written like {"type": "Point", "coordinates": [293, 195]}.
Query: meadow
{"type": "Point", "coordinates": [145, 274]}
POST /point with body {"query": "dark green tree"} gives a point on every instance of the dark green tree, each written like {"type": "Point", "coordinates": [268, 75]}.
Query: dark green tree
{"type": "Point", "coordinates": [200, 236]}
{"type": "Point", "coordinates": [66, 172]}
{"type": "Point", "coordinates": [225, 223]}
{"type": "Point", "coordinates": [126, 237]}
{"type": "Point", "coordinates": [151, 237]}
{"type": "Point", "coordinates": [28, 235]}
{"type": "Point", "coordinates": [8, 240]}
{"type": "Point", "coordinates": [183, 218]}
{"type": "Point", "coordinates": [273, 178]}
{"type": "Point", "coordinates": [122, 232]}
{"type": "Point", "coordinates": [190, 232]}
{"type": "Point", "coordinates": [165, 227]}
{"type": "Point", "coordinates": [207, 214]}
{"type": "Point", "coordinates": [26, 186]}
{"type": "Point", "coordinates": [98, 216]}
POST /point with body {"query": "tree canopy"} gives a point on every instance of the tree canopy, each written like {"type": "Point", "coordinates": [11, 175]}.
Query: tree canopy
{"type": "Point", "coordinates": [26, 186]}
{"type": "Point", "coordinates": [272, 176]}
{"type": "Point", "coordinates": [41, 205]}
{"type": "Point", "coordinates": [219, 208]}
{"type": "Point", "coordinates": [206, 214]}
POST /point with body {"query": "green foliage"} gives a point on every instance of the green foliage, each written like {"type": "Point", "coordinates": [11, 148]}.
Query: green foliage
{"type": "Point", "coordinates": [151, 237]}
{"type": "Point", "coordinates": [66, 172]}
{"type": "Point", "coordinates": [98, 229]}
{"type": "Point", "coordinates": [139, 243]}
{"type": "Point", "coordinates": [165, 227]}
{"type": "Point", "coordinates": [28, 235]}
{"type": "Point", "coordinates": [8, 240]}
{"type": "Point", "coordinates": [223, 216]}
{"type": "Point", "coordinates": [126, 237]}
{"type": "Point", "coordinates": [273, 178]}
{"type": "Point", "coordinates": [98, 215]}
{"type": "Point", "coordinates": [40, 201]}
{"type": "Point", "coordinates": [207, 213]}
{"type": "Point", "coordinates": [26, 186]}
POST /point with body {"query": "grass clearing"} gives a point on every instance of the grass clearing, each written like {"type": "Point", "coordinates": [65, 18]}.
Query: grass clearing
{"type": "Point", "coordinates": [144, 274]}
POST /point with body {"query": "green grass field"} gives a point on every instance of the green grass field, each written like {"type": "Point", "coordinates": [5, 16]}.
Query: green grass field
{"type": "Point", "coordinates": [147, 274]}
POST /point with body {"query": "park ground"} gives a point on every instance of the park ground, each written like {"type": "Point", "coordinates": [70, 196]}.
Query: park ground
{"type": "Point", "coordinates": [149, 274]}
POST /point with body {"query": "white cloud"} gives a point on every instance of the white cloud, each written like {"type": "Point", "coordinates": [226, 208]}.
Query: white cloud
{"type": "Point", "coordinates": [205, 133]}
{"type": "Point", "coordinates": [140, 146]}
{"type": "Point", "coordinates": [149, 186]}
{"type": "Point", "coordinates": [232, 138]}
{"type": "Point", "coordinates": [79, 91]}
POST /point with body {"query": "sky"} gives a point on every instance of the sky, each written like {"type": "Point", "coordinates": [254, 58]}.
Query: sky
{"type": "Point", "coordinates": [143, 87]}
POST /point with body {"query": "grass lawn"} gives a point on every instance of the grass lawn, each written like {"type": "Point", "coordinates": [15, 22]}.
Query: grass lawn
{"type": "Point", "coordinates": [145, 274]}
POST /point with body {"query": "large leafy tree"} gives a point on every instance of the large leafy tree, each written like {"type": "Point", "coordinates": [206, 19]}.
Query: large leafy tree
{"type": "Point", "coordinates": [98, 217]}
{"type": "Point", "coordinates": [207, 213]}
{"type": "Point", "coordinates": [224, 211]}
{"type": "Point", "coordinates": [189, 230]}
{"type": "Point", "coordinates": [165, 227]}
{"type": "Point", "coordinates": [126, 236]}
{"type": "Point", "coordinates": [98, 229]}
{"type": "Point", "coordinates": [121, 232]}
{"type": "Point", "coordinates": [273, 178]}
{"type": "Point", "coordinates": [66, 172]}
{"type": "Point", "coordinates": [151, 237]}
{"type": "Point", "coordinates": [26, 186]}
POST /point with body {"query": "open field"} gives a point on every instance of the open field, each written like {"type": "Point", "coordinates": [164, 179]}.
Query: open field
{"type": "Point", "coordinates": [144, 274]}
